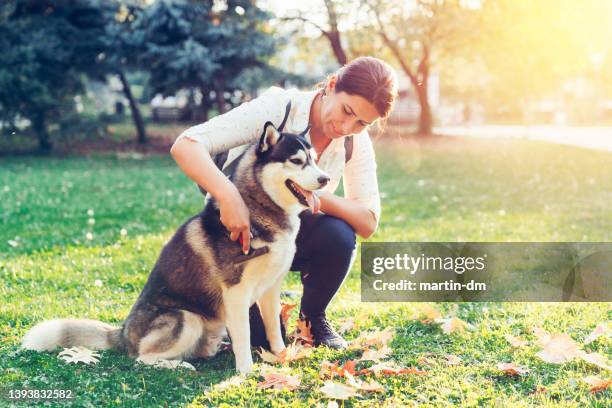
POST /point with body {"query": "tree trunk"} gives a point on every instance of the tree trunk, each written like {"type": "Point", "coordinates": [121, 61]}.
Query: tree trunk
{"type": "Point", "coordinates": [204, 105]}
{"type": "Point", "coordinates": [40, 128]}
{"type": "Point", "coordinates": [136, 116]}
{"type": "Point", "coordinates": [425, 119]}
{"type": "Point", "coordinates": [334, 39]}
{"type": "Point", "coordinates": [219, 91]}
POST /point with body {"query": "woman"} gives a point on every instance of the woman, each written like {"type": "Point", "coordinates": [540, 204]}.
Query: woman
{"type": "Point", "coordinates": [349, 101]}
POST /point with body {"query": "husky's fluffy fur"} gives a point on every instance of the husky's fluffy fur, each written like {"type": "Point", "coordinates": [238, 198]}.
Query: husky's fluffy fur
{"type": "Point", "coordinates": [196, 290]}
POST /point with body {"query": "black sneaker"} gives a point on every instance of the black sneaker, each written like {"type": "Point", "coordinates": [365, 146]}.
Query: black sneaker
{"type": "Point", "coordinates": [322, 332]}
{"type": "Point", "coordinates": [258, 331]}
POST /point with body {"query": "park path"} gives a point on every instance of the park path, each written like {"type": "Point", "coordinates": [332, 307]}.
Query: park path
{"type": "Point", "coordinates": [593, 137]}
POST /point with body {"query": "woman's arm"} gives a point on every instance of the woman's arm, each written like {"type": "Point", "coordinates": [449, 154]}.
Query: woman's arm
{"type": "Point", "coordinates": [356, 214]}
{"type": "Point", "coordinates": [195, 161]}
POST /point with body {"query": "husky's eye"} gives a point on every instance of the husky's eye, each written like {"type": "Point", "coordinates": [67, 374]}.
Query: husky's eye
{"type": "Point", "coordinates": [296, 161]}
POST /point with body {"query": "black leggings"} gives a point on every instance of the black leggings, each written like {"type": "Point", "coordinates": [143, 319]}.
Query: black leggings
{"type": "Point", "coordinates": [325, 246]}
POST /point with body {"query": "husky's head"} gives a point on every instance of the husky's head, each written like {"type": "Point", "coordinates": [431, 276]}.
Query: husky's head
{"type": "Point", "coordinates": [289, 172]}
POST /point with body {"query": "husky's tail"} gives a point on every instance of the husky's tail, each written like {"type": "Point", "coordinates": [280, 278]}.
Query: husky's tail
{"type": "Point", "coordinates": [92, 334]}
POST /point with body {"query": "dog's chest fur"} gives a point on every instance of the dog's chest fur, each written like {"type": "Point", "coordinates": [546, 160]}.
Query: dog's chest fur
{"type": "Point", "coordinates": [261, 273]}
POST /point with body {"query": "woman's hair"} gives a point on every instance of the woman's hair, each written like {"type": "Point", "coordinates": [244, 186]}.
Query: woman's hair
{"type": "Point", "coordinates": [372, 79]}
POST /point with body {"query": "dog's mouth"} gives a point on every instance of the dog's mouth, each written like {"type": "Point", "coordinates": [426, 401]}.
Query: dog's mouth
{"type": "Point", "coordinates": [298, 192]}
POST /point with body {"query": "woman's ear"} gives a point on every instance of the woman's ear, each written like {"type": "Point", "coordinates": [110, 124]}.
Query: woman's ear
{"type": "Point", "coordinates": [331, 84]}
{"type": "Point", "coordinates": [269, 138]}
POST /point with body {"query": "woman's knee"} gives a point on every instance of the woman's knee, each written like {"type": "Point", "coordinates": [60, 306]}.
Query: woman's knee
{"type": "Point", "coordinates": [334, 236]}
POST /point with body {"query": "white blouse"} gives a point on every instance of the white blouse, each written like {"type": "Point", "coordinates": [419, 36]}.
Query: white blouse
{"type": "Point", "coordinates": [243, 125]}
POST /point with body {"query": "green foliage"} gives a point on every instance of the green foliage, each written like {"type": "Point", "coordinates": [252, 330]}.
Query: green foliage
{"type": "Point", "coordinates": [437, 191]}
{"type": "Point", "coordinates": [44, 45]}
{"type": "Point", "coordinates": [191, 44]}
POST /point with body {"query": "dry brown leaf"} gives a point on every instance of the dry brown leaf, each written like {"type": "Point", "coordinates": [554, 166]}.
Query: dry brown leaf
{"type": "Point", "coordinates": [452, 360]}
{"type": "Point", "coordinates": [295, 351]}
{"type": "Point", "coordinates": [389, 368]}
{"type": "Point", "coordinates": [597, 384]}
{"type": "Point", "coordinates": [267, 356]}
{"type": "Point", "coordinates": [346, 326]}
{"type": "Point", "coordinates": [512, 369]}
{"type": "Point", "coordinates": [515, 341]}
{"type": "Point", "coordinates": [303, 333]}
{"type": "Point", "coordinates": [425, 360]}
{"type": "Point", "coordinates": [79, 355]}
{"type": "Point", "coordinates": [335, 390]}
{"type": "Point", "coordinates": [378, 338]}
{"type": "Point", "coordinates": [430, 314]}
{"type": "Point", "coordinates": [375, 355]}
{"type": "Point", "coordinates": [285, 310]}
{"type": "Point", "coordinates": [279, 381]}
{"type": "Point", "coordinates": [370, 386]}
{"type": "Point", "coordinates": [453, 324]}
{"type": "Point", "coordinates": [330, 370]}
{"type": "Point", "coordinates": [558, 348]}
{"type": "Point", "coordinates": [596, 359]}
{"type": "Point", "coordinates": [600, 330]}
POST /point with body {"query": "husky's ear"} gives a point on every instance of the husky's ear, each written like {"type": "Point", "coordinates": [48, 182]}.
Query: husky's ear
{"type": "Point", "coordinates": [269, 137]}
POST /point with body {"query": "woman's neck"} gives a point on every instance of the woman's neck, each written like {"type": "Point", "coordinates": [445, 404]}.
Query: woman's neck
{"type": "Point", "coordinates": [318, 140]}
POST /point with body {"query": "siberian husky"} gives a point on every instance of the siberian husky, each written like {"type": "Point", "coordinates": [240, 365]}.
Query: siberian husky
{"type": "Point", "coordinates": [197, 288]}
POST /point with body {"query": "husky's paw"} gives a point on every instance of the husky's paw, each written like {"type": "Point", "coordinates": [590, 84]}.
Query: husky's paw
{"type": "Point", "coordinates": [245, 369]}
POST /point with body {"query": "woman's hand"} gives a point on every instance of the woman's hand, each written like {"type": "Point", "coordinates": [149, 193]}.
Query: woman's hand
{"type": "Point", "coordinates": [235, 217]}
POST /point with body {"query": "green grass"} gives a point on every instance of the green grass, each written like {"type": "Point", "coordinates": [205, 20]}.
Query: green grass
{"type": "Point", "coordinates": [451, 191]}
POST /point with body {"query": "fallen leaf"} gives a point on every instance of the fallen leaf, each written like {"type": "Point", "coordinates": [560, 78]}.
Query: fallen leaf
{"type": "Point", "coordinates": [388, 368]}
{"type": "Point", "coordinates": [303, 333]}
{"type": "Point", "coordinates": [378, 338]}
{"type": "Point", "coordinates": [346, 326]}
{"type": "Point", "coordinates": [332, 389]}
{"type": "Point", "coordinates": [425, 360]}
{"type": "Point", "coordinates": [375, 355]}
{"type": "Point", "coordinates": [512, 369]}
{"type": "Point", "coordinates": [600, 330]}
{"type": "Point", "coordinates": [230, 382]}
{"type": "Point", "coordinates": [452, 360]}
{"type": "Point", "coordinates": [597, 384]}
{"type": "Point", "coordinates": [453, 324]}
{"type": "Point", "coordinates": [79, 355]}
{"type": "Point", "coordinates": [558, 348]}
{"type": "Point", "coordinates": [295, 351]}
{"type": "Point", "coordinates": [542, 335]}
{"type": "Point", "coordinates": [279, 381]}
{"type": "Point", "coordinates": [515, 341]}
{"type": "Point", "coordinates": [330, 370]}
{"type": "Point", "coordinates": [596, 359]}
{"type": "Point", "coordinates": [285, 310]}
{"type": "Point", "coordinates": [430, 314]}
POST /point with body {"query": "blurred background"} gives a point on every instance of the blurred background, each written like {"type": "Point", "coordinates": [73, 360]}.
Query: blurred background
{"type": "Point", "coordinates": [104, 74]}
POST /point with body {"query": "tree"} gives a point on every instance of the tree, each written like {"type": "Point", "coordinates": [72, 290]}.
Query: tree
{"type": "Point", "coordinates": [331, 33]}
{"type": "Point", "coordinates": [418, 34]}
{"type": "Point", "coordinates": [44, 47]}
{"type": "Point", "coordinates": [202, 45]}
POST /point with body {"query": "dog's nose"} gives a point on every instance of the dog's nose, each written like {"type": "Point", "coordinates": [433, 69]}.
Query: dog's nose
{"type": "Point", "coordinates": [323, 180]}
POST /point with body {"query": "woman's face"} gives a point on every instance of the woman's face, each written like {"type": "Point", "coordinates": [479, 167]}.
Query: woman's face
{"type": "Point", "coordinates": [343, 114]}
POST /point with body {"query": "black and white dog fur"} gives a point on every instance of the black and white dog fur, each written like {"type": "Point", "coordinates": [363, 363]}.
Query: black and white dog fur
{"type": "Point", "coordinates": [196, 289]}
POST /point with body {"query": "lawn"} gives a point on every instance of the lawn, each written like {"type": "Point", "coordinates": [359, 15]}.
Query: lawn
{"type": "Point", "coordinates": [80, 234]}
